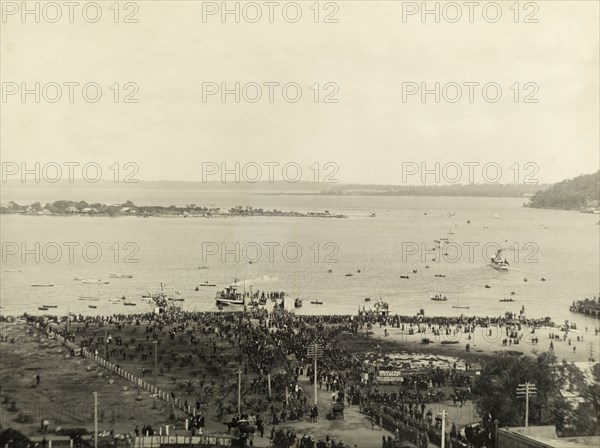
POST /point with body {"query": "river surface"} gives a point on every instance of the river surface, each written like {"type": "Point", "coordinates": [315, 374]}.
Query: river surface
{"type": "Point", "coordinates": [296, 255]}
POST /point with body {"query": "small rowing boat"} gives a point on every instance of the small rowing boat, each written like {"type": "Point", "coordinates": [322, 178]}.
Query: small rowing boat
{"type": "Point", "coordinates": [94, 282]}
{"type": "Point", "coordinates": [129, 304]}
{"type": "Point", "coordinates": [206, 283]}
{"type": "Point", "coordinates": [92, 306]}
{"type": "Point", "coordinates": [316, 302]}
{"type": "Point", "coordinates": [464, 307]}
{"type": "Point", "coordinates": [50, 306]}
{"type": "Point", "coordinates": [42, 308]}
{"type": "Point", "coordinates": [42, 285]}
{"type": "Point", "coordinates": [121, 276]}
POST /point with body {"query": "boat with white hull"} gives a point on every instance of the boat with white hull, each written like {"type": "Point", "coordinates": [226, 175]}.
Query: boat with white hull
{"type": "Point", "coordinates": [230, 297]}
{"type": "Point", "coordinates": [499, 262]}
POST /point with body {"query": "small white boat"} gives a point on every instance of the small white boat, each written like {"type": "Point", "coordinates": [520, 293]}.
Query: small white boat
{"type": "Point", "coordinates": [464, 307]}
{"type": "Point", "coordinates": [42, 285]}
{"type": "Point", "coordinates": [121, 276]}
{"type": "Point", "coordinates": [206, 283]}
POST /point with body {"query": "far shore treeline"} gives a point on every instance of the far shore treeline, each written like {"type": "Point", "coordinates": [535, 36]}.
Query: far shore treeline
{"type": "Point", "coordinates": [580, 193]}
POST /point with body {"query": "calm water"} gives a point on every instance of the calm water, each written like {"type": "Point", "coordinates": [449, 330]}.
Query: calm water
{"type": "Point", "coordinates": [563, 248]}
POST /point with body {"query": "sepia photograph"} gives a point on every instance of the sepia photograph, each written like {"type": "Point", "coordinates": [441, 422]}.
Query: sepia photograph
{"type": "Point", "coordinates": [300, 224]}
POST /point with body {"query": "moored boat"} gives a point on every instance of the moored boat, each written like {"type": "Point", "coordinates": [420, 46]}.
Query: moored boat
{"type": "Point", "coordinates": [439, 298]}
{"type": "Point", "coordinates": [121, 276]}
{"type": "Point", "coordinates": [42, 285]}
{"type": "Point", "coordinates": [297, 303]}
{"type": "Point", "coordinates": [230, 296]}
{"type": "Point", "coordinates": [206, 283]}
{"type": "Point", "coordinates": [316, 302]}
{"type": "Point", "coordinates": [92, 281]}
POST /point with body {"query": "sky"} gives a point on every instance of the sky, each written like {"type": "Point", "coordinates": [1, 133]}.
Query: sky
{"type": "Point", "coordinates": [361, 79]}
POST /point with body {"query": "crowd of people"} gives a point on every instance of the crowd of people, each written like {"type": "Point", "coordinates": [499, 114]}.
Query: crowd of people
{"type": "Point", "coordinates": [270, 349]}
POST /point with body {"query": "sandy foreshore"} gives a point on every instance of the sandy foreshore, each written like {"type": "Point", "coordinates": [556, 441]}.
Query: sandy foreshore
{"type": "Point", "coordinates": [483, 343]}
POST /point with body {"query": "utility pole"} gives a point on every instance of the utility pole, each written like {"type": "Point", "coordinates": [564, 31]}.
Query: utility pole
{"type": "Point", "coordinates": [443, 431]}
{"type": "Point", "coordinates": [315, 352]}
{"type": "Point", "coordinates": [239, 393]}
{"type": "Point", "coordinates": [105, 343]}
{"type": "Point", "coordinates": [95, 419]}
{"type": "Point", "coordinates": [525, 390]}
{"type": "Point", "coordinates": [155, 342]}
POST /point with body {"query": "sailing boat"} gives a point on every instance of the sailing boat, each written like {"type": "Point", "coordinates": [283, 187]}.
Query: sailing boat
{"type": "Point", "coordinates": [499, 262]}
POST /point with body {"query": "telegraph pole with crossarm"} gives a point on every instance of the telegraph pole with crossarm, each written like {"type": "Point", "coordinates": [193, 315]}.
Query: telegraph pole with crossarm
{"type": "Point", "coordinates": [526, 390]}
{"type": "Point", "coordinates": [315, 351]}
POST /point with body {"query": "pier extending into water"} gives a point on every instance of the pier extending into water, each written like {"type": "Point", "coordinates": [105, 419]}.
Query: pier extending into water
{"type": "Point", "coordinates": [590, 307]}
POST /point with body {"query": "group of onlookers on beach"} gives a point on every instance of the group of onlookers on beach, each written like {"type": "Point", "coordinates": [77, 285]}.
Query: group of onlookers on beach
{"type": "Point", "coordinates": [261, 341]}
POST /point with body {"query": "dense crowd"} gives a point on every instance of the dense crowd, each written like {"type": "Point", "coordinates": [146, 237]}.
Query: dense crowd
{"type": "Point", "coordinates": [210, 346]}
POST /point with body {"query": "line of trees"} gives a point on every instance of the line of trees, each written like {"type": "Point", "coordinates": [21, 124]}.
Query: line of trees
{"type": "Point", "coordinates": [497, 389]}
{"type": "Point", "coordinates": [572, 194]}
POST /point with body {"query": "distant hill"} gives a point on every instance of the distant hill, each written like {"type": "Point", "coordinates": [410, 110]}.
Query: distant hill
{"type": "Point", "coordinates": [580, 193]}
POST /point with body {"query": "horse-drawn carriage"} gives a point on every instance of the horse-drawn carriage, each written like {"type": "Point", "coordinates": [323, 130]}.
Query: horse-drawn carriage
{"type": "Point", "coordinates": [337, 410]}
